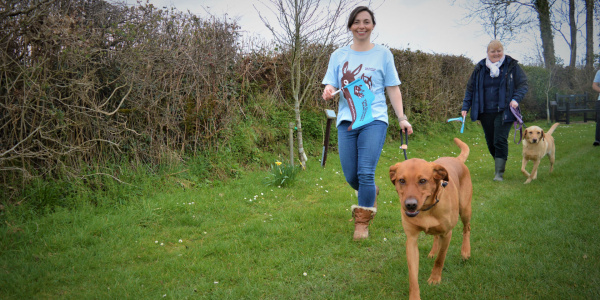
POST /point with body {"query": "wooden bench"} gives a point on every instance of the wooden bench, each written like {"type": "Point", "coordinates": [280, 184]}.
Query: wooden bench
{"type": "Point", "coordinates": [573, 104]}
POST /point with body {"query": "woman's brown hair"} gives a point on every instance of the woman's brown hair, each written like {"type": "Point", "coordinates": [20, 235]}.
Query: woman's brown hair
{"type": "Point", "coordinates": [358, 10]}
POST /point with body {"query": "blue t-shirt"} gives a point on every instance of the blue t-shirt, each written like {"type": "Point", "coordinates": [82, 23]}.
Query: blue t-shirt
{"type": "Point", "coordinates": [376, 68]}
{"type": "Point", "coordinates": [597, 79]}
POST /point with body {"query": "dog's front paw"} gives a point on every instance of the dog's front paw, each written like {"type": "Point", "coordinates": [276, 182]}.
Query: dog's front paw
{"type": "Point", "coordinates": [434, 279]}
{"type": "Point", "coordinates": [465, 254]}
{"type": "Point", "coordinates": [414, 296]}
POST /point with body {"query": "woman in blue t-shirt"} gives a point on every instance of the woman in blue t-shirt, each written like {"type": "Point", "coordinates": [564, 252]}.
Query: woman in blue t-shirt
{"type": "Point", "coordinates": [360, 145]}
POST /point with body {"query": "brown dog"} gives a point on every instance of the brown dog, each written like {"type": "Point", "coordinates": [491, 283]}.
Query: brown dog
{"type": "Point", "coordinates": [432, 196]}
{"type": "Point", "coordinates": [536, 144]}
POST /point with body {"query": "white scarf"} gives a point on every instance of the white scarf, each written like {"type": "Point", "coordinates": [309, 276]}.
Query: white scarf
{"type": "Point", "coordinates": [494, 67]}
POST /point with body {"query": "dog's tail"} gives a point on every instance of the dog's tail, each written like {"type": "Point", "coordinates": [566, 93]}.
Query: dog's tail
{"type": "Point", "coordinates": [552, 128]}
{"type": "Point", "coordinates": [464, 150]}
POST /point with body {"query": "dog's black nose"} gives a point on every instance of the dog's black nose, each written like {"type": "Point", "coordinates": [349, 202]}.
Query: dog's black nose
{"type": "Point", "coordinates": [411, 204]}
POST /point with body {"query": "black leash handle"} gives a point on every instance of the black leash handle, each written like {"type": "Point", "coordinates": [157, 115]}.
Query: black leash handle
{"type": "Point", "coordinates": [330, 117]}
{"type": "Point", "coordinates": [404, 145]}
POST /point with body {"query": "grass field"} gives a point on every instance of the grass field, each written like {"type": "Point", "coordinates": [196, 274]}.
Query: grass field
{"type": "Point", "coordinates": [241, 239]}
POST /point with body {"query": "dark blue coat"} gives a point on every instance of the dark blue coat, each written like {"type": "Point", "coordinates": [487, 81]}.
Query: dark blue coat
{"type": "Point", "coordinates": [513, 86]}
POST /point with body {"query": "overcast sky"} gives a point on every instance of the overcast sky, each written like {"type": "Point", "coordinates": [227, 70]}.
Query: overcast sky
{"type": "Point", "coordinates": [432, 26]}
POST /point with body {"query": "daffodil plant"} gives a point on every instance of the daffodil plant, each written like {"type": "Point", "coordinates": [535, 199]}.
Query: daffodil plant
{"type": "Point", "coordinates": [282, 175]}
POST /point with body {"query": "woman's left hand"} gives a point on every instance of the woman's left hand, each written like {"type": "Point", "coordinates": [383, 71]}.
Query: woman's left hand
{"type": "Point", "coordinates": [514, 104]}
{"type": "Point", "coordinates": [405, 126]}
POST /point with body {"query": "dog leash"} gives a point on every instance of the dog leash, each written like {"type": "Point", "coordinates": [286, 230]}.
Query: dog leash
{"type": "Point", "coordinates": [461, 119]}
{"type": "Point", "coordinates": [518, 124]}
{"type": "Point", "coordinates": [330, 114]}
{"type": "Point", "coordinates": [403, 146]}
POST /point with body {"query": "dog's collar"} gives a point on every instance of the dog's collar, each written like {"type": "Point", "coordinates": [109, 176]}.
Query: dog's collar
{"type": "Point", "coordinates": [432, 205]}
{"type": "Point", "coordinates": [437, 199]}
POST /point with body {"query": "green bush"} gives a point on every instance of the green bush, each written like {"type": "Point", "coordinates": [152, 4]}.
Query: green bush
{"type": "Point", "coordinates": [544, 84]}
{"type": "Point", "coordinates": [533, 106]}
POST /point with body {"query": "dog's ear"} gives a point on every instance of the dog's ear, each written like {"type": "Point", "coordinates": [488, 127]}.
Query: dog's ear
{"type": "Point", "coordinates": [543, 134]}
{"type": "Point", "coordinates": [439, 172]}
{"type": "Point", "coordinates": [393, 173]}
{"type": "Point", "coordinates": [525, 133]}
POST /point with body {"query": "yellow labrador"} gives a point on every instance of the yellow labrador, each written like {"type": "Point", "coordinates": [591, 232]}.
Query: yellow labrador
{"type": "Point", "coordinates": [433, 195]}
{"type": "Point", "coordinates": [536, 145]}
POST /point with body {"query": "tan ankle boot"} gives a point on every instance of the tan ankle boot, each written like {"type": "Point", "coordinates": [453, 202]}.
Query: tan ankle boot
{"type": "Point", "coordinates": [362, 217]}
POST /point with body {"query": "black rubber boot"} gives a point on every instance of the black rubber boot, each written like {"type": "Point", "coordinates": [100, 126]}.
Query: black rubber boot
{"type": "Point", "coordinates": [500, 166]}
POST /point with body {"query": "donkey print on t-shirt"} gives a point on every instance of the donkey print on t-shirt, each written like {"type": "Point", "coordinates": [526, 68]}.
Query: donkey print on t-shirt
{"type": "Point", "coordinates": [348, 77]}
{"type": "Point", "coordinates": [367, 80]}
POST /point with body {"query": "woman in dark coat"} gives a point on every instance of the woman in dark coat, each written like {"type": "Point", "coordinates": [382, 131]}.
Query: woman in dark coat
{"type": "Point", "coordinates": [497, 82]}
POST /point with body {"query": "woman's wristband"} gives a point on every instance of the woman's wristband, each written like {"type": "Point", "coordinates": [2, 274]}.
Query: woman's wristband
{"type": "Point", "coordinates": [403, 118]}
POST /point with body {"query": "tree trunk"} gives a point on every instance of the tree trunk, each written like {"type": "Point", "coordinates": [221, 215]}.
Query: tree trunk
{"type": "Point", "coordinates": [301, 153]}
{"type": "Point", "coordinates": [543, 9]}
{"type": "Point", "coordinates": [296, 85]}
{"type": "Point", "coordinates": [297, 82]}
{"type": "Point", "coordinates": [296, 93]}
{"type": "Point", "coordinates": [573, 28]}
{"type": "Point", "coordinates": [589, 34]}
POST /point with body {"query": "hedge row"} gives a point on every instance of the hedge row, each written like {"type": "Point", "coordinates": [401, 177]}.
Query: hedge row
{"type": "Point", "coordinates": [89, 83]}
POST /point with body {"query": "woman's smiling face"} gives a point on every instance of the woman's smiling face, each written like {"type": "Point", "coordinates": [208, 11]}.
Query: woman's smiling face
{"type": "Point", "coordinates": [362, 26]}
{"type": "Point", "coordinates": [495, 54]}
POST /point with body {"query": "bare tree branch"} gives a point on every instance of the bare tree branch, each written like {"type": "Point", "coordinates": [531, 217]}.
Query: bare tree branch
{"type": "Point", "coordinates": [104, 174]}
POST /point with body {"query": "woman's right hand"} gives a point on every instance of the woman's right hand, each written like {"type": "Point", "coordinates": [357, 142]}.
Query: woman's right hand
{"type": "Point", "coordinates": [464, 113]}
{"type": "Point", "coordinates": [406, 127]}
{"type": "Point", "coordinates": [328, 92]}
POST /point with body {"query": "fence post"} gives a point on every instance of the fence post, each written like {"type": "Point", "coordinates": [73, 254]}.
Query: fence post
{"type": "Point", "coordinates": [291, 126]}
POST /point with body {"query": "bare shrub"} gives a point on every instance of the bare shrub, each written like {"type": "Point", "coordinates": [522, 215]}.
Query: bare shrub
{"type": "Point", "coordinates": [433, 85]}
{"type": "Point", "coordinates": [88, 82]}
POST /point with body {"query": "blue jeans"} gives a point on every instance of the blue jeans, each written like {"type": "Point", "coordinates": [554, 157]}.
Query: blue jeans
{"type": "Point", "coordinates": [359, 153]}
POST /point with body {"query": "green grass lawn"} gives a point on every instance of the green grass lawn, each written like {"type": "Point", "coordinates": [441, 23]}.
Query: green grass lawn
{"type": "Point", "coordinates": [241, 239]}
